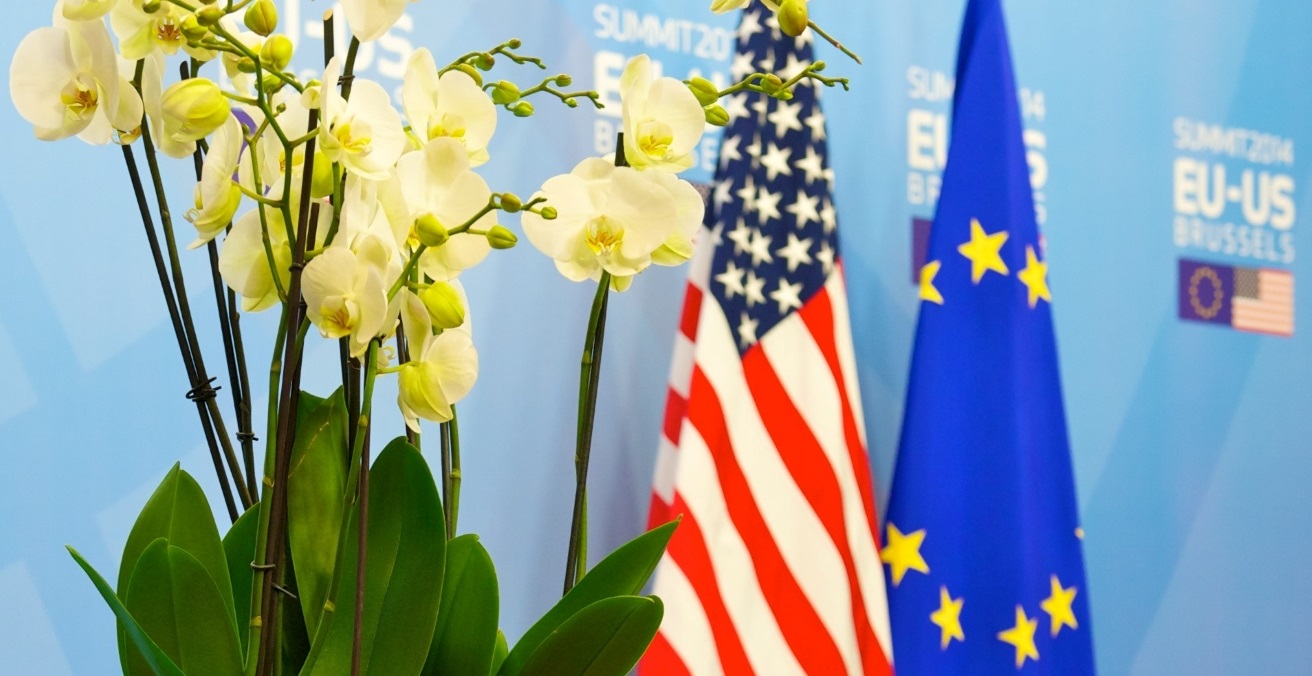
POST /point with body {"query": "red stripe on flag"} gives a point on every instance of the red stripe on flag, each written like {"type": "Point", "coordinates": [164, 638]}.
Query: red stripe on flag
{"type": "Point", "coordinates": [805, 634]}
{"type": "Point", "coordinates": [661, 660]}
{"type": "Point", "coordinates": [660, 512]}
{"type": "Point", "coordinates": [688, 549]}
{"type": "Point", "coordinates": [692, 311]}
{"type": "Point", "coordinates": [810, 469]}
{"type": "Point", "coordinates": [818, 314]}
{"type": "Point", "coordinates": [676, 409]}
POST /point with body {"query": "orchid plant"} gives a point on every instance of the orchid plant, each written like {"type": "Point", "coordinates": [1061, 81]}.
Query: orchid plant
{"type": "Point", "coordinates": [323, 202]}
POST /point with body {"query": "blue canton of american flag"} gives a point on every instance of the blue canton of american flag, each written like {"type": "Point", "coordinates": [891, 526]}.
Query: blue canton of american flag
{"type": "Point", "coordinates": [772, 195]}
{"type": "Point", "coordinates": [775, 567]}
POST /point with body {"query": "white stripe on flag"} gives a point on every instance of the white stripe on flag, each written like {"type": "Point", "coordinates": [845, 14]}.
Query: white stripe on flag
{"type": "Point", "coordinates": [681, 365]}
{"type": "Point", "coordinates": [836, 288]}
{"type": "Point", "coordinates": [803, 542]}
{"type": "Point", "coordinates": [800, 365]}
{"type": "Point", "coordinates": [735, 575]}
{"type": "Point", "coordinates": [690, 635]}
{"type": "Point", "coordinates": [667, 468]}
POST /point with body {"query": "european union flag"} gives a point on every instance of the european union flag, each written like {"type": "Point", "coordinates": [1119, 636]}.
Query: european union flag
{"type": "Point", "coordinates": [983, 547]}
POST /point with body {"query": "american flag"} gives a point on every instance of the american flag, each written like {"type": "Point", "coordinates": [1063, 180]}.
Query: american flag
{"type": "Point", "coordinates": [1264, 301]}
{"type": "Point", "coordinates": [775, 568]}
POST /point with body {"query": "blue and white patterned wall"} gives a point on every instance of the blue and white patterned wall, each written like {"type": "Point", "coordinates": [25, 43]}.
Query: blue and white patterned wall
{"type": "Point", "coordinates": [1191, 440]}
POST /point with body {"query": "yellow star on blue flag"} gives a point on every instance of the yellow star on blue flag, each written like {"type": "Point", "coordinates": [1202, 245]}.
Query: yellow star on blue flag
{"type": "Point", "coordinates": [984, 558]}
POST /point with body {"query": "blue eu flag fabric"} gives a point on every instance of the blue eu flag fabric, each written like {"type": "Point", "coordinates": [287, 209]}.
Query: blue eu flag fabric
{"type": "Point", "coordinates": [983, 541]}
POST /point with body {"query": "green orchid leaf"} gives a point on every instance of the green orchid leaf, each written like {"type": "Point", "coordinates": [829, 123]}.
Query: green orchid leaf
{"type": "Point", "coordinates": [403, 575]}
{"type": "Point", "coordinates": [155, 659]}
{"type": "Point", "coordinates": [239, 549]}
{"type": "Point", "coordinates": [624, 573]}
{"type": "Point", "coordinates": [499, 653]}
{"type": "Point", "coordinates": [176, 602]}
{"type": "Point", "coordinates": [466, 635]}
{"type": "Point", "coordinates": [316, 489]}
{"type": "Point", "coordinates": [179, 513]}
{"type": "Point", "coordinates": [295, 639]}
{"type": "Point", "coordinates": [605, 639]}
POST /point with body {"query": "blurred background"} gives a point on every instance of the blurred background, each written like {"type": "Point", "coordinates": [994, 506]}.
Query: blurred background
{"type": "Point", "coordinates": [1158, 132]}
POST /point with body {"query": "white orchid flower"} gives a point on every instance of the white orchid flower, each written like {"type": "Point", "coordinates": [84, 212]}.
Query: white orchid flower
{"type": "Point", "coordinates": [65, 80]}
{"type": "Point", "coordinates": [450, 105]}
{"type": "Point", "coordinates": [243, 262]}
{"type": "Point", "coordinates": [438, 182]}
{"type": "Point", "coordinates": [442, 370]}
{"type": "Point", "coordinates": [86, 10]}
{"type": "Point", "coordinates": [371, 19]}
{"type": "Point", "coordinates": [364, 134]}
{"type": "Point", "coordinates": [217, 195]}
{"type": "Point", "coordinates": [141, 33]}
{"type": "Point", "coordinates": [345, 297]}
{"type": "Point", "coordinates": [663, 121]}
{"type": "Point", "coordinates": [690, 209]}
{"type": "Point", "coordinates": [608, 218]}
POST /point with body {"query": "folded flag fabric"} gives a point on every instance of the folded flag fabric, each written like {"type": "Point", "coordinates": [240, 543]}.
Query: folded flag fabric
{"type": "Point", "coordinates": [983, 546]}
{"type": "Point", "coordinates": [775, 568]}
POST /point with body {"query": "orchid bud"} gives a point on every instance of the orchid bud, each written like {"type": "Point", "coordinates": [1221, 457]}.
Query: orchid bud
{"type": "Point", "coordinates": [522, 109]}
{"type": "Point", "coordinates": [150, 6]}
{"type": "Point", "coordinates": [717, 115]}
{"type": "Point", "coordinates": [792, 17]}
{"type": "Point", "coordinates": [564, 80]}
{"type": "Point", "coordinates": [705, 90]}
{"type": "Point", "coordinates": [484, 61]}
{"type": "Point", "coordinates": [246, 64]}
{"type": "Point", "coordinates": [262, 17]}
{"type": "Point", "coordinates": [193, 109]}
{"type": "Point", "coordinates": [504, 92]}
{"type": "Point", "coordinates": [471, 72]}
{"type": "Point", "coordinates": [208, 15]}
{"type": "Point", "coordinates": [192, 30]}
{"type": "Point", "coordinates": [443, 304]}
{"type": "Point", "coordinates": [501, 238]}
{"type": "Point", "coordinates": [510, 202]}
{"type": "Point", "coordinates": [548, 213]}
{"type": "Point", "coordinates": [431, 231]}
{"type": "Point", "coordinates": [272, 84]}
{"type": "Point", "coordinates": [276, 52]}
{"type": "Point", "coordinates": [772, 84]}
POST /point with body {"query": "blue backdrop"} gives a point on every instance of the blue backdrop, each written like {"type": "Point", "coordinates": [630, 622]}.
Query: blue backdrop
{"type": "Point", "coordinates": [1190, 439]}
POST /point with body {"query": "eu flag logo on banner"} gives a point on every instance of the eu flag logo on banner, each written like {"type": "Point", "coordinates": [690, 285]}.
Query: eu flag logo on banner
{"type": "Point", "coordinates": [983, 549]}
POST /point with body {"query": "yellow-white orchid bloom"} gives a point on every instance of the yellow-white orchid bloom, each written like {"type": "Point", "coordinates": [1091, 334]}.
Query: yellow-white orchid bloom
{"type": "Point", "coordinates": [608, 218]}
{"type": "Point", "coordinates": [663, 121]}
{"type": "Point", "coordinates": [364, 134]}
{"type": "Point", "coordinates": [442, 370]}
{"type": "Point", "coordinates": [690, 209]}
{"type": "Point", "coordinates": [64, 79]}
{"type": "Point", "coordinates": [86, 10]}
{"type": "Point", "coordinates": [217, 195]}
{"type": "Point", "coordinates": [345, 297]}
{"type": "Point", "coordinates": [242, 260]}
{"type": "Point", "coordinates": [141, 33]}
{"type": "Point", "coordinates": [450, 105]}
{"type": "Point", "coordinates": [371, 19]}
{"type": "Point", "coordinates": [438, 182]}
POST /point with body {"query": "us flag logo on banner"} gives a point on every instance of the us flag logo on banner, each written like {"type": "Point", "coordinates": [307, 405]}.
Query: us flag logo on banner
{"type": "Point", "coordinates": [775, 568]}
